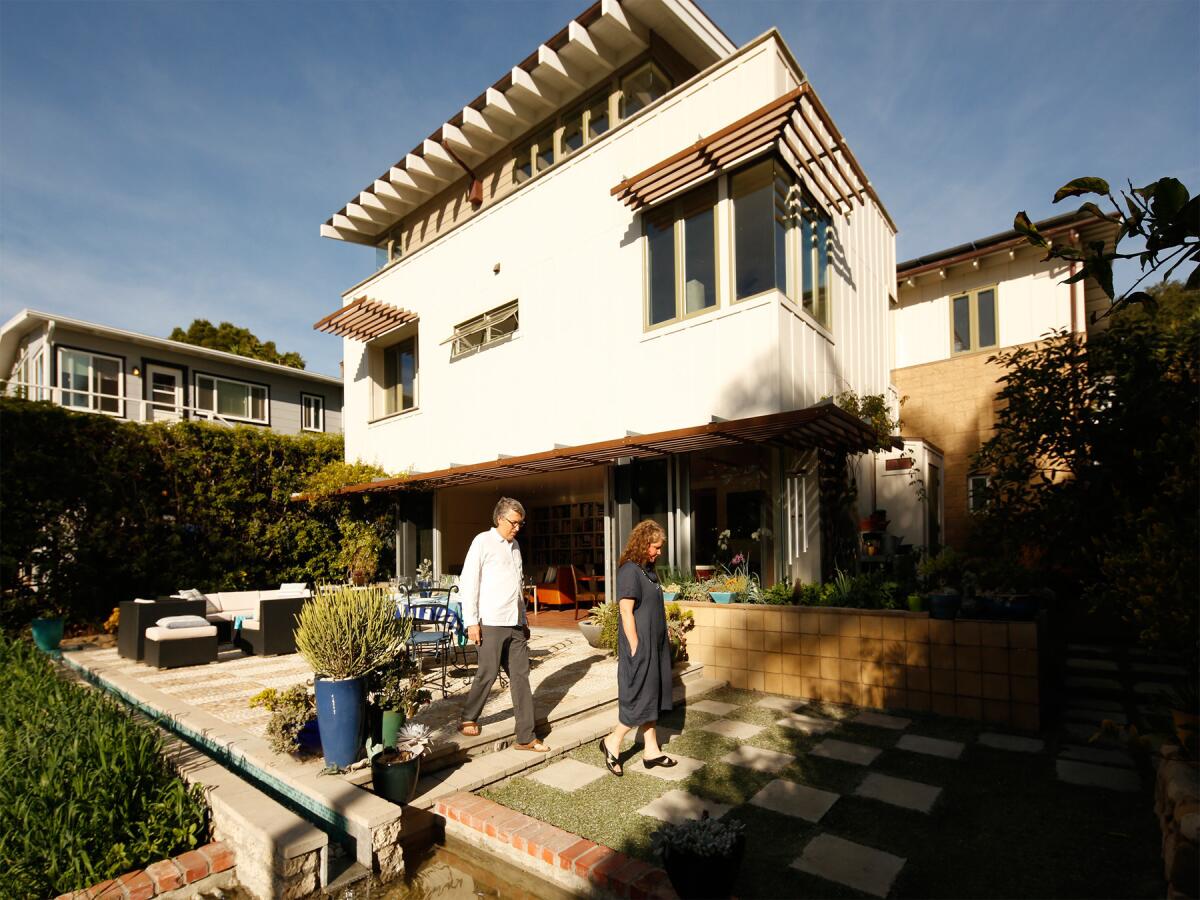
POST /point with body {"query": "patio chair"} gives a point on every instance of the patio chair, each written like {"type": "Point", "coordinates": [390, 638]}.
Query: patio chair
{"type": "Point", "coordinates": [273, 632]}
{"type": "Point", "coordinates": [433, 630]}
{"type": "Point", "coordinates": [561, 588]}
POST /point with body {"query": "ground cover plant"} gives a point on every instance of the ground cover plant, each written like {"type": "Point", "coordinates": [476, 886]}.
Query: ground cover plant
{"type": "Point", "coordinates": [97, 511]}
{"type": "Point", "coordinates": [85, 792]}
{"type": "Point", "coordinates": [1003, 827]}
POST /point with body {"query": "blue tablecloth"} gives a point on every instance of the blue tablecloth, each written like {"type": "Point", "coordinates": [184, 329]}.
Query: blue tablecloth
{"type": "Point", "coordinates": [434, 611]}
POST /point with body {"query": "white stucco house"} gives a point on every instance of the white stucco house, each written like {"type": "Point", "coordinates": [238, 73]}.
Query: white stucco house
{"type": "Point", "coordinates": [619, 284]}
{"type": "Point", "coordinates": [95, 368]}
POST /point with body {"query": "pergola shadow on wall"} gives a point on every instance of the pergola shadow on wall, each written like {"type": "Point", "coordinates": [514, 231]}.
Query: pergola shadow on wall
{"type": "Point", "coordinates": [794, 434]}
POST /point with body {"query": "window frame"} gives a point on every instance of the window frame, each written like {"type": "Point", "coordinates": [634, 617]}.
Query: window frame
{"type": "Point", "coordinates": [216, 380]}
{"type": "Point", "coordinates": [650, 64]}
{"type": "Point", "coordinates": [93, 396]}
{"type": "Point", "coordinates": [972, 296]}
{"type": "Point", "coordinates": [974, 507]}
{"type": "Point", "coordinates": [485, 322]}
{"type": "Point", "coordinates": [679, 250]}
{"type": "Point", "coordinates": [378, 370]}
{"type": "Point", "coordinates": [318, 404]}
{"type": "Point", "coordinates": [799, 204]}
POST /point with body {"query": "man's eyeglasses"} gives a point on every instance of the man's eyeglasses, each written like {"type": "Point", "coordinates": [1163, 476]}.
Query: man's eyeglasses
{"type": "Point", "coordinates": [517, 524]}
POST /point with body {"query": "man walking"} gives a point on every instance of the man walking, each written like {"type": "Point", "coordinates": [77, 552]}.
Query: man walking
{"type": "Point", "coordinates": [493, 609]}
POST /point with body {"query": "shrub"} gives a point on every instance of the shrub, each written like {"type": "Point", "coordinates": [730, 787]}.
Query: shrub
{"type": "Point", "coordinates": [291, 710]}
{"type": "Point", "coordinates": [608, 617]}
{"type": "Point", "coordinates": [780, 593]}
{"type": "Point", "coordinates": [85, 792]}
{"type": "Point", "coordinates": [344, 632]}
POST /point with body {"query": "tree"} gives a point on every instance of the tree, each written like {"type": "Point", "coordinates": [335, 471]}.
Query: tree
{"type": "Point", "coordinates": [232, 339]}
{"type": "Point", "coordinates": [1162, 214]}
{"type": "Point", "coordinates": [1094, 465]}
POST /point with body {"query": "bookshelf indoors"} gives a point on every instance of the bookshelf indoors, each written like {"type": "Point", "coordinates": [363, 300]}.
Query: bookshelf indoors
{"type": "Point", "coordinates": [565, 533]}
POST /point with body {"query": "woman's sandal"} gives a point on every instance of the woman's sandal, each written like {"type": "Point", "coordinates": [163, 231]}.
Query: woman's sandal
{"type": "Point", "coordinates": [611, 762]}
{"type": "Point", "coordinates": [665, 761]}
{"type": "Point", "coordinates": [469, 729]}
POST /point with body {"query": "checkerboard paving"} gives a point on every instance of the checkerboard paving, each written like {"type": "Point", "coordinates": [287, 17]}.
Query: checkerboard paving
{"type": "Point", "coordinates": [827, 856]}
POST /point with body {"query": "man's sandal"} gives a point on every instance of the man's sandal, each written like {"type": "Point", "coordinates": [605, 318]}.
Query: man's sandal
{"type": "Point", "coordinates": [469, 729]}
{"type": "Point", "coordinates": [534, 746]}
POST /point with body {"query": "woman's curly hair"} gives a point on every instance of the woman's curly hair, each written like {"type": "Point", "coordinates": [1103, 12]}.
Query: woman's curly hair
{"type": "Point", "coordinates": [637, 547]}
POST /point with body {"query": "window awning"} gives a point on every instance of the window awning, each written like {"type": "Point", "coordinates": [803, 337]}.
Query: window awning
{"type": "Point", "coordinates": [364, 319]}
{"type": "Point", "coordinates": [795, 125]}
{"type": "Point", "coordinates": [824, 425]}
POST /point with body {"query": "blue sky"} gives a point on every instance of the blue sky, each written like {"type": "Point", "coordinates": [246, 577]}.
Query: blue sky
{"type": "Point", "coordinates": [161, 161]}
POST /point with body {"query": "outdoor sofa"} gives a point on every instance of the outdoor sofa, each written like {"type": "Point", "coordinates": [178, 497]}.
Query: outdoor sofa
{"type": "Point", "coordinates": [267, 618]}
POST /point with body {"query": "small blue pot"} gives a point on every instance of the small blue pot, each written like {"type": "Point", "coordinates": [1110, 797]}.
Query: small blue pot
{"type": "Point", "coordinates": [47, 634]}
{"type": "Point", "coordinates": [669, 596]}
{"type": "Point", "coordinates": [721, 596]}
{"type": "Point", "coordinates": [309, 738]}
{"type": "Point", "coordinates": [944, 606]}
{"type": "Point", "coordinates": [341, 718]}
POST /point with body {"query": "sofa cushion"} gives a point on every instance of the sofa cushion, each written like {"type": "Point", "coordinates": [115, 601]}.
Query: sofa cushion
{"type": "Point", "coordinates": [294, 586]}
{"type": "Point", "coordinates": [239, 602]}
{"type": "Point", "coordinates": [249, 624]}
{"type": "Point", "coordinates": [179, 634]}
{"type": "Point", "coordinates": [182, 622]}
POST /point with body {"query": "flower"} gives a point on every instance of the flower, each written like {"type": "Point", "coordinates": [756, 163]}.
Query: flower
{"type": "Point", "coordinates": [723, 539]}
{"type": "Point", "coordinates": [737, 560]}
{"type": "Point", "coordinates": [425, 570]}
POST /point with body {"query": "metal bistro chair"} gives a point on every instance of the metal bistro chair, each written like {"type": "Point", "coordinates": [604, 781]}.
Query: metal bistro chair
{"type": "Point", "coordinates": [433, 631]}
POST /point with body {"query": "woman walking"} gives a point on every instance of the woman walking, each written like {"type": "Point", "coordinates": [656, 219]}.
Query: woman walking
{"type": "Point", "coordinates": [643, 650]}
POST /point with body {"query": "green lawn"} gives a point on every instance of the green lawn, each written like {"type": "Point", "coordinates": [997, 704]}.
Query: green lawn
{"type": "Point", "coordinates": [1003, 827]}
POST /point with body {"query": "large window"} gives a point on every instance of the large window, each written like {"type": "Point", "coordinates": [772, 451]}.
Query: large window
{"type": "Point", "coordinates": [312, 412]}
{"type": "Point", "coordinates": [398, 384]}
{"type": "Point", "coordinates": [973, 320]}
{"type": "Point", "coordinates": [780, 239]}
{"type": "Point", "coordinates": [230, 399]}
{"type": "Point", "coordinates": [493, 327]}
{"type": "Point", "coordinates": [681, 264]}
{"type": "Point", "coordinates": [91, 381]}
{"type": "Point", "coordinates": [977, 496]}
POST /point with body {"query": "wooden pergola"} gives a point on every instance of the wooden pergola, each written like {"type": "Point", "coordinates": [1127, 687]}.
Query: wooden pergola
{"type": "Point", "coordinates": [364, 319]}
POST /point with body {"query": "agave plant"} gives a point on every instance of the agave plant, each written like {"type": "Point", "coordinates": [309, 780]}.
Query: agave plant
{"type": "Point", "coordinates": [413, 740]}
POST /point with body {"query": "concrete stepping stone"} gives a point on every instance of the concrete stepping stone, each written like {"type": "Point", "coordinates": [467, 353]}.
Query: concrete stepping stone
{"type": "Point", "coordinates": [1096, 716]}
{"type": "Point", "coordinates": [1085, 702]}
{"type": "Point", "coordinates": [845, 862]}
{"type": "Point", "coordinates": [1157, 669]}
{"type": "Point", "coordinates": [684, 767]}
{"type": "Point", "coordinates": [931, 746]}
{"type": "Point", "coordinates": [783, 704]}
{"type": "Point", "coordinates": [1118, 758]}
{"type": "Point", "coordinates": [679, 806]}
{"type": "Point", "coordinates": [1012, 742]}
{"type": "Point", "coordinates": [881, 720]}
{"type": "Point", "coordinates": [716, 707]}
{"type": "Point", "coordinates": [899, 792]}
{"type": "Point", "coordinates": [1097, 665]}
{"type": "Point", "coordinates": [568, 774]}
{"type": "Point", "coordinates": [731, 728]}
{"type": "Point", "coordinates": [758, 759]}
{"type": "Point", "coordinates": [1097, 776]}
{"type": "Point", "coordinates": [807, 724]}
{"type": "Point", "coordinates": [858, 754]}
{"type": "Point", "coordinates": [793, 799]}
{"type": "Point", "coordinates": [1095, 684]}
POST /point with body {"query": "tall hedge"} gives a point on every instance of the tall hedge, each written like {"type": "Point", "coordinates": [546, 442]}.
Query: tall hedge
{"type": "Point", "coordinates": [94, 511]}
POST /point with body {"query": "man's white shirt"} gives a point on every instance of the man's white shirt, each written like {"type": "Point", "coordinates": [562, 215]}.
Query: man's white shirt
{"type": "Point", "coordinates": [490, 584]}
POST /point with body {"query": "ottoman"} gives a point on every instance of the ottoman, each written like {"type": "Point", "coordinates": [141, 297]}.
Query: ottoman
{"type": "Point", "coordinates": [170, 648]}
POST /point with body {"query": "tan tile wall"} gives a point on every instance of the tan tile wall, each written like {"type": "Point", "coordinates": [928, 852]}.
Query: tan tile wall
{"type": "Point", "coordinates": [876, 658]}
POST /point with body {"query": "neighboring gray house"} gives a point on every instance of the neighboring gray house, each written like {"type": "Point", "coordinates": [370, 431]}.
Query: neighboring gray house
{"type": "Point", "coordinates": [110, 371]}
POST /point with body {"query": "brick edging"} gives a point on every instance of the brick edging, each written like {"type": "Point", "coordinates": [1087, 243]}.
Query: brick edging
{"type": "Point", "coordinates": [601, 866]}
{"type": "Point", "coordinates": [162, 876]}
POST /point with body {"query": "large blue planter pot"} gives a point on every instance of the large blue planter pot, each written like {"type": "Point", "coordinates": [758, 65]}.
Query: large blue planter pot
{"type": "Point", "coordinates": [341, 718]}
{"type": "Point", "coordinates": [944, 606]}
{"type": "Point", "coordinates": [47, 633]}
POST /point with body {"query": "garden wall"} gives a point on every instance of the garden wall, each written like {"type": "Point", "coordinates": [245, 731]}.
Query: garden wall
{"type": "Point", "coordinates": [886, 659]}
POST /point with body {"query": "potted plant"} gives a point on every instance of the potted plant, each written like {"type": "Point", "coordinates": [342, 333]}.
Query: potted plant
{"type": "Point", "coordinates": [600, 626]}
{"type": "Point", "coordinates": [395, 770]}
{"type": "Point", "coordinates": [359, 552]}
{"type": "Point", "coordinates": [345, 635]}
{"type": "Point", "coordinates": [939, 571]}
{"type": "Point", "coordinates": [48, 628]}
{"type": "Point", "coordinates": [425, 576]}
{"type": "Point", "coordinates": [679, 622]}
{"type": "Point", "coordinates": [701, 856]}
{"type": "Point", "coordinates": [292, 726]}
{"type": "Point", "coordinates": [398, 695]}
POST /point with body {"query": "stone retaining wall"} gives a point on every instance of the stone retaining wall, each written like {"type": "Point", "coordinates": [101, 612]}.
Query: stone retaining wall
{"type": "Point", "coordinates": [886, 659]}
{"type": "Point", "coordinates": [202, 869]}
{"type": "Point", "coordinates": [1177, 802]}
